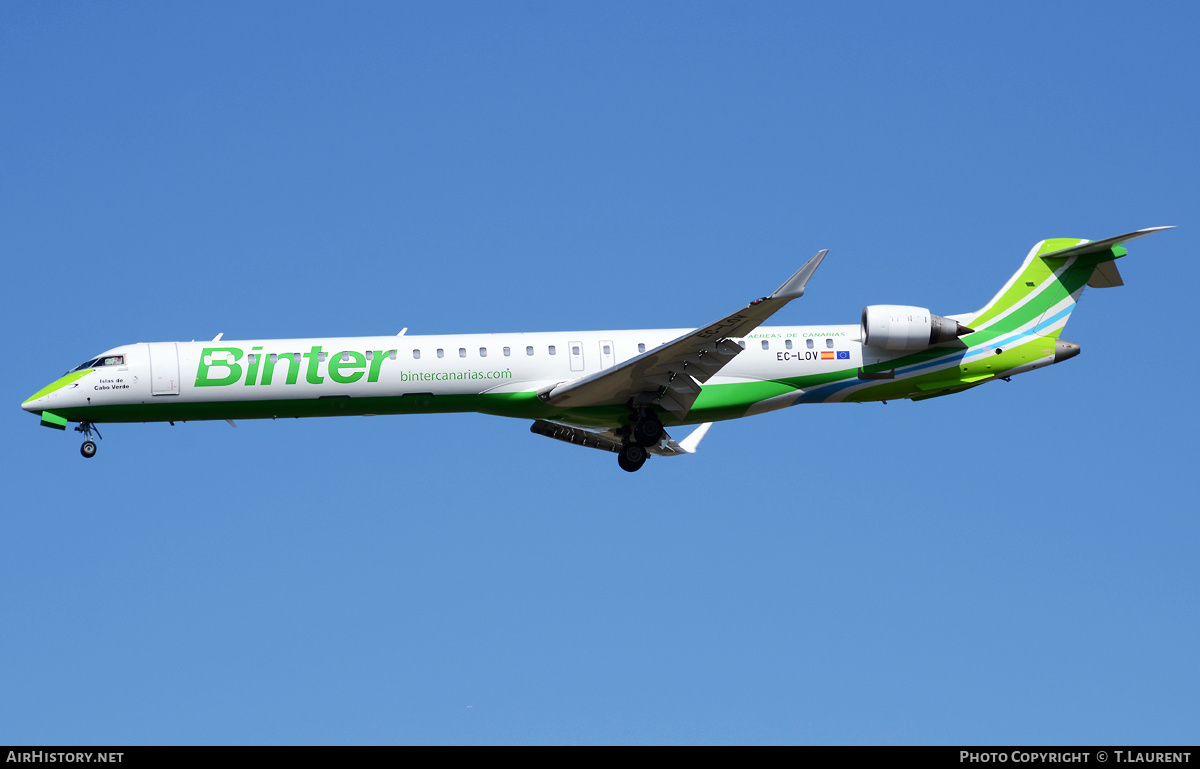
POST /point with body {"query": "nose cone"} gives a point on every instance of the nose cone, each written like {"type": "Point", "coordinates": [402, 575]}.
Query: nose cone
{"type": "Point", "coordinates": [1064, 350]}
{"type": "Point", "coordinates": [41, 399]}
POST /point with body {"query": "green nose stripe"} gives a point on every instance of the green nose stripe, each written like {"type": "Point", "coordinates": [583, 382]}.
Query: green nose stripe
{"type": "Point", "coordinates": [58, 384]}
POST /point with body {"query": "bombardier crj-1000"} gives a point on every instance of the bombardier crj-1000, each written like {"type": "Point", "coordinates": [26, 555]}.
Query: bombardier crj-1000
{"type": "Point", "coordinates": [610, 390]}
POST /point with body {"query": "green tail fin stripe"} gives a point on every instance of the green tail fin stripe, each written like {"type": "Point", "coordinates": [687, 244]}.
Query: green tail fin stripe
{"type": "Point", "coordinates": [1033, 277]}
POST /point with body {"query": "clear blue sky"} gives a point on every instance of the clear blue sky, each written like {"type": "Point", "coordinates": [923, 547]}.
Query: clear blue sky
{"type": "Point", "coordinates": [1015, 564]}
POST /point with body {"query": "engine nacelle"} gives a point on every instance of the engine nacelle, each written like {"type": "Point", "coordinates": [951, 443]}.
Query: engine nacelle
{"type": "Point", "coordinates": [896, 327]}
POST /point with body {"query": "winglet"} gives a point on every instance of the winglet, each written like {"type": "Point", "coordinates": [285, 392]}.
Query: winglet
{"type": "Point", "coordinates": [794, 287]}
{"type": "Point", "coordinates": [689, 443]}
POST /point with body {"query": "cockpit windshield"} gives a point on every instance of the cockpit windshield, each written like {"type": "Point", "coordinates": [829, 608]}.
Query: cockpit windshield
{"type": "Point", "coordinates": [103, 360]}
{"type": "Point", "coordinates": [91, 363]}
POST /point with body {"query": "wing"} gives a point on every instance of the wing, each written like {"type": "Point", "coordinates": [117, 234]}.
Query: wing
{"type": "Point", "coordinates": [612, 440]}
{"type": "Point", "coordinates": [670, 375]}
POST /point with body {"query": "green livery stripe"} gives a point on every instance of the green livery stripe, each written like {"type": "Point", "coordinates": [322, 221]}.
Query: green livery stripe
{"type": "Point", "coordinates": [1050, 245]}
{"type": "Point", "coordinates": [945, 384]}
{"type": "Point", "coordinates": [716, 402]}
{"type": "Point", "coordinates": [505, 404]}
{"type": "Point", "coordinates": [59, 383]}
{"type": "Point", "coordinates": [1038, 272]}
{"type": "Point", "coordinates": [1071, 280]}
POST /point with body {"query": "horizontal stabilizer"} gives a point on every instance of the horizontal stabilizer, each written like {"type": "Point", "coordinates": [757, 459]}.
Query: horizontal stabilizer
{"type": "Point", "coordinates": [1104, 247]}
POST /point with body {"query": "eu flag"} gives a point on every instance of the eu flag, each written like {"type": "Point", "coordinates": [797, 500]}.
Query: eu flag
{"type": "Point", "coordinates": [843, 355]}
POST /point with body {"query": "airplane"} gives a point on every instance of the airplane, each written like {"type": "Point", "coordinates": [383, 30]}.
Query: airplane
{"type": "Point", "coordinates": [616, 391]}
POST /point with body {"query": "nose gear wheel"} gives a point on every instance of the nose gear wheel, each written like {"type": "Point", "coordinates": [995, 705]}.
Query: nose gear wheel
{"type": "Point", "coordinates": [88, 449]}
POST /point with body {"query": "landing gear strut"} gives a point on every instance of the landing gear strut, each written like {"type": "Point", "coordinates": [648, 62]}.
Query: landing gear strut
{"type": "Point", "coordinates": [88, 449]}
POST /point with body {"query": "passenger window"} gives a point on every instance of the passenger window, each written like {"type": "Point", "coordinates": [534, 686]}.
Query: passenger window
{"type": "Point", "coordinates": [482, 352]}
{"type": "Point", "coordinates": [552, 350]}
{"type": "Point", "coordinates": [808, 343]}
{"type": "Point", "coordinates": [507, 351]}
{"type": "Point", "coordinates": [416, 355]}
{"type": "Point", "coordinates": [766, 345]}
{"type": "Point", "coordinates": [607, 350]}
{"type": "Point", "coordinates": [462, 352]}
{"type": "Point", "coordinates": [742, 343]}
{"type": "Point", "coordinates": [641, 347]}
{"type": "Point", "coordinates": [392, 353]}
{"type": "Point", "coordinates": [787, 343]}
{"type": "Point", "coordinates": [529, 350]}
{"type": "Point", "coordinates": [829, 343]}
{"type": "Point", "coordinates": [441, 353]}
{"type": "Point", "coordinates": [345, 357]}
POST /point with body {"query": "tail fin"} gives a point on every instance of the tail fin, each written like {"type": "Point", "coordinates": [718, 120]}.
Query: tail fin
{"type": "Point", "coordinates": [1039, 298]}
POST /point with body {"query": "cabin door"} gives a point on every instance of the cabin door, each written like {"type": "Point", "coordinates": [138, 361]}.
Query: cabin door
{"type": "Point", "coordinates": [606, 354]}
{"type": "Point", "coordinates": [576, 351]}
{"type": "Point", "coordinates": [164, 368]}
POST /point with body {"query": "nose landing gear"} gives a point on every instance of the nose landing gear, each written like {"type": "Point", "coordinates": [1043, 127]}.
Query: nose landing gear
{"type": "Point", "coordinates": [88, 449]}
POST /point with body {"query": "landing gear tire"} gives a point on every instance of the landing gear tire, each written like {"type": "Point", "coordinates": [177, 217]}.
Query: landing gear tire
{"type": "Point", "coordinates": [647, 432]}
{"type": "Point", "coordinates": [631, 457]}
{"type": "Point", "coordinates": [88, 449]}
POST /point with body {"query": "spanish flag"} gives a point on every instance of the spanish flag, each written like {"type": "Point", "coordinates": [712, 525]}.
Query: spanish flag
{"type": "Point", "coordinates": [828, 355]}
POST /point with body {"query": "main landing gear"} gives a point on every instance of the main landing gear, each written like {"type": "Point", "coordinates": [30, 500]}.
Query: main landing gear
{"type": "Point", "coordinates": [646, 431]}
{"type": "Point", "coordinates": [88, 449]}
{"type": "Point", "coordinates": [631, 457]}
